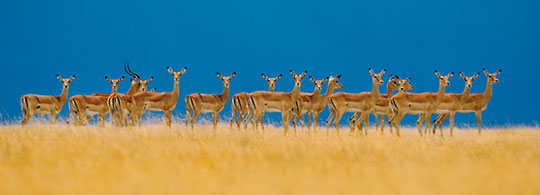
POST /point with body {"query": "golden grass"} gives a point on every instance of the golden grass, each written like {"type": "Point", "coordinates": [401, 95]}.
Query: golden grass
{"type": "Point", "coordinates": [153, 159]}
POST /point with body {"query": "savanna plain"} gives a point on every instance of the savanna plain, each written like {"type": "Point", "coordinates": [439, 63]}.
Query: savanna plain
{"type": "Point", "coordinates": [43, 158]}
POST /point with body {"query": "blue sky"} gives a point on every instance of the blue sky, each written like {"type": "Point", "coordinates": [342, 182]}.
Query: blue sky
{"type": "Point", "coordinates": [92, 39]}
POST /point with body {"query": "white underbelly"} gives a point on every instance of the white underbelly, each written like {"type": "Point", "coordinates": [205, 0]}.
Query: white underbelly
{"type": "Point", "coordinates": [91, 113]}
{"type": "Point", "coordinates": [206, 111]}
{"type": "Point", "coordinates": [415, 112]}
{"type": "Point", "coordinates": [41, 113]}
{"type": "Point", "coordinates": [271, 109]}
{"type": "Point", "coordinates": [155, 109]}
{"type": "Point", "coordinates": [466, 111]}
{"type": "Point", "coordinates": [442, 111]}
{"type": "Point", "coordinates": [353, 110]}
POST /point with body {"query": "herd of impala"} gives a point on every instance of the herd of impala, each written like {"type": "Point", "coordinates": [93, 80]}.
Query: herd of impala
{"type": "Point", "coordinates": [127, 109]}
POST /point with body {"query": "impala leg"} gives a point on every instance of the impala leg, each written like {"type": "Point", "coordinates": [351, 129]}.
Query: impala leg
{"type": "Point", "coordinates": [452, 115]}
{"type": "Point", "coordinates": [419, 122]}
{"type": "Point", "coordinates": [262, 120]}
{"type": "Point", "coordinates": [233, 117]}
{"type": "Point", "coordinates": [302, 120]}
{"type": "Point", "coordinates": [101, 120]}
{"type": "Point", "coordinates": [27, 116]}
{"type": "Point", "coordinates": [398, 119]}
{"type": "Point", "coordinates": [315, 121]}
{"type": "Point", "coordinates": [240, 118]}
{"type": "Point", "coordinates": [285, 119]}
{"type": "Point", "coordinates": [479, 121]}
{"type": "Point", "coordinates": [376, 121]}
{"type": "Point", "coordinates": [53, 118]}
{"type": "Point", "coordinates": [353, 119]}
{"type": "Point", "coordinates": [382, 123]}
{"type": "Point", "coordinates": [194, 118]}
{"type": "Point", "coordinates": [167, 115]}
{"type": "Point", "coordinates": [308, 118]}
{"type": "Point", "coordinates": [296, 117]}
{"type": "Point", "coordinates": [428, 122]}
{"type": "Point", "coordinates": [215, 116]}
{"type": "Point", "coordinates": [336, 121]}
{"type": "Point", "coordinates": [188, 116]}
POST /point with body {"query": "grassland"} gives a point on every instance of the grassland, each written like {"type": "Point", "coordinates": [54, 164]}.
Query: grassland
{"type": "Point", "coordinates": [44, 158]}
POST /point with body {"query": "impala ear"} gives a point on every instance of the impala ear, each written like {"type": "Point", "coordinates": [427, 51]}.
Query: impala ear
{"type": "Point", "coordinates": [170, 70]}
{"type": "Point", "coordinates": [485, 71]}
{"type": "Point", "coordinates": [382, 72]}
{"type": "Point", "coordinates": [219, 75]}
{"type": "Point", "coordinates": [107, 78]}
{"type": "Point", "coordinates": [304, 73]}
{"type": "Point", "coordinates": [59, 77]}
{"type": "Point", "coordinates": [183, 70]}
{"type": "Point", "coordinates": [121, 78]}
{"type": "Point", "coordinates": [292, 72]}
{"type": "Point", "coordinates": [72, 77]}
{"type": "Point", "coordinates": [150, 79]}
{"type": "Point", "coordinates": [370, 71]}
{"type": "Point", "coordinates": [408, 79]}
{"type": "Point", "coordinates": [232, 75]}
{"type": "Point", "coordinates": [498, 72]}
{"type": "Point", "coordinates": [397, 77]}
{"type": "Point", "coordinates": [450, 75]}
{"type": "Point", "coordinates": [278, 77]}
{"type": "Point", "coordinates": [312, 79]}
{"type": "Point", "coordinates": [338, 76]}
{"type": "Point", "coordinates": [325, 79]}
{"type": "Point", "coordinates": [475, 75]}
{"type": "Point", "coordinates": [437, 73]}
{"type": "Point", "coordinates": [264, 76]}
{"type": "Point", "coordinates": [462, 75]}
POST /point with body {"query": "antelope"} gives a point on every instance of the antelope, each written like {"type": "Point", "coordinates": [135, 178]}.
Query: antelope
{"type": "Point", "coordinates": [120, 105]}
{"type": "Point", "coordinates": [476, 102]}
{"type": "Point", "coordinates": [45, 104]}
{"type": "Point", "coordinates": [382, 108]}
{"type": "Point", "coordinates": [239, 103]}
{"type": "Point", "coordinates": [414, 103]}
{"type": "Point", "coordinates": [84, 107]}
{"type": "Point", "coordinates": [164, 101]}
{"type": "Point", "coordinates": [306, 101]}
{"type": "Point", "coordinates": [319, 103]}
{"type": "Point", "coordinates": [264, 101]}
{"type": "Point", "coordinates": [197, 103]}
{"type": "Point", "coordinates": [451, 103]}
{"type": "Point", "coordinates": [363, 102]}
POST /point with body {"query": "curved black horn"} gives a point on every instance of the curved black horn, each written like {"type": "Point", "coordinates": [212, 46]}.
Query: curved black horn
{"type": "Point", "coordinates": [128, 70]}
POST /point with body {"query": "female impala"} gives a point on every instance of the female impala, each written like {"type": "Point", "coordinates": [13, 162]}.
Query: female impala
{"type": "Point", "coordinates": [306, 102]}
{"type": "Point", "coordinates": [84, 107]}
{"type": "Point", "coordinates": [451, 103]}
{"type": "Point", "coordinates": [319, 104]}
{"type": "Point", "coordinates": [164, 101]}
{"type": "Point", "coordinates": [121, 105]}
{"type": "Point", "coordinates": [476, 102]}
{"type": "Point", "coordinates": [45, 104]}
{"type": "Point", "coordinates": [203, 103]}
{"type": "Point", "coordinates": [414, 103]}
{"type": "Point", "coordinates": [264, 101]}
{"type": "Point", "coordinates": [239, 103]}
{"type": "Point", "coordinates": [381, 107]}
{"type": "Point", "coordinates": [363, 102]}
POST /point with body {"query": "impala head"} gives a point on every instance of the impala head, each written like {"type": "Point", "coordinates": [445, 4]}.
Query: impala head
{"type": "Point", "coordinates": [493, 76]}
{"type": "Point", "coordinates": [468, 80]}
{"type": "Point", "coordinates": [319, 83]}
{"type": "Point", "coordinates": [176, 74]}
{"type": "Point", "coordinates": [298, 78]}
{"type": "Point", "coordinates": [226, 80]}
{"type": "Point", "coordinates": [144, 83]}
{"type": "Point", "coordinates": [65, 82]}
{"type": "Point", "coordinates": [271, 81]}
{"type": "Point", "coordinates": [393, 83]}
{"type": "Point", "coordinates": [114, 82]}
{"type": "Point", "coordinates": [443, 80]}
{"type": "Point", "coordinates": [377, 76]}
{"type": "Point", "coordinates": [404, 85]}
{"type": "Point", "coordinates": [335, 81]}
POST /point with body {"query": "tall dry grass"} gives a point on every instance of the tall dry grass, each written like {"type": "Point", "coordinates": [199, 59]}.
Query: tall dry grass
{"type": "Point", "coordinates": [44, 158]}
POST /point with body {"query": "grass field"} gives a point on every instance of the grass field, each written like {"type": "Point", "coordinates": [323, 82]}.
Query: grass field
{"type": "Point", "coordinates": [44, 158]}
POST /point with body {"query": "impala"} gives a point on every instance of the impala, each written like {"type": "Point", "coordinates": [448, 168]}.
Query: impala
{"type": "Point", "coordinates": [363, 102]}
{"type": "Point", "coordinates": [45, 104]}
{"type": "Point", "coordinates": [414, 103]}
{"type": "Point", "coordinates": [84, 107]}
{"type": "Point", "coordinates": [239, 103]}
{"type": "Point", "coordinates": [306, 102]}
{"type": "Point", "coordinates": [451, 103]}
{"type": "Point", "coordinates": [264, 101]}
{"type": "Point", "coordinates": [476, 102]}
{"type": "Point", "coordinates": [381, 107]}
{"type": "Point", "coordinates": [197, 103]}
{"type": "Point", "coordinates": [121, 105]}
{"type": "Point", "coordinates": [319, 103]}
{"type": "Point", "coordinates": [164, 101]}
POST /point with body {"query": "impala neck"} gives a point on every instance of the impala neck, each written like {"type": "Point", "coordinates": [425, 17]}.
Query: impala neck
{"type": "Point", "coordinates": [440, 94]}
{"type": "Point", "coordinates": [225, 94]}
{"type": "Point", "coordinates": [329, 90]}
{"type": "Point", "coordinates": [175, 92]}
{"type": "Point", "coordinates": [375, 92]}
{"type": "Point", "coordinates": [64, 95]}
{"type": "Point", "coordinates": [465, 93]}
{"type": "Point", "coordinates": [295, 93]}
{"type": "Point", "coordinates": [389, 90]}
{"type": "Point", "coordinates": [487, 93]}
{"type": "Point", "coordinates": [133, 89]}
{"type": "Point", "coordinates": [316, 93]}
{"type": "Point", "coordinates": [271, 89]}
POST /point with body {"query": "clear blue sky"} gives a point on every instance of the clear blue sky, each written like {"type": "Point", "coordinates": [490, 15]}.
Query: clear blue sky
{"type": "Point", "coordinates": [91, 39]}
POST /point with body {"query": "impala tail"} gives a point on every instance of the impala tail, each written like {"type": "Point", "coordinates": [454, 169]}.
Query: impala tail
{"type": "Point", "coordinates": [189, 103]}
{"type": "Point", "coordinates": [24, 105]}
